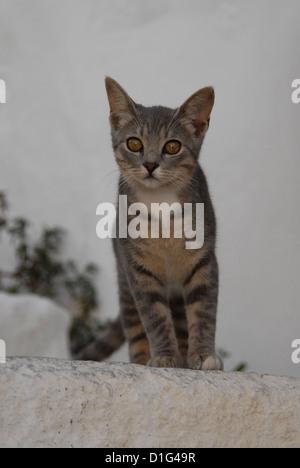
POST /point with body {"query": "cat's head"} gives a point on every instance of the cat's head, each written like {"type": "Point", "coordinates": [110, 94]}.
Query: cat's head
{"type": "Point", "coordinates": [158, 146]}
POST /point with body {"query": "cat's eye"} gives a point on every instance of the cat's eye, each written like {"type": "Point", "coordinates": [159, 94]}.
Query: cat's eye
{"type": "Point", "coordinates": [135, 145]}
{"type": "Point", "coordinates": [172, 147]}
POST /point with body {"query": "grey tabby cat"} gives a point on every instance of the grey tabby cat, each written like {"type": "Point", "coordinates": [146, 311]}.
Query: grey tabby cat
{"type": "Point", "coordinates": [168, 294]}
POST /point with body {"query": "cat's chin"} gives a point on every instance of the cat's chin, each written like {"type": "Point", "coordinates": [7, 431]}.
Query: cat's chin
{"type": "Point", "coordinates": [151, 182]}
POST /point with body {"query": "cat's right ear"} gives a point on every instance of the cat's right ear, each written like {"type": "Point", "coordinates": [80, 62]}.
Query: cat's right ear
{"type": "Point", "coordinates": [195, 112]}
{"type": "Point", "coordinates": [122, 108]}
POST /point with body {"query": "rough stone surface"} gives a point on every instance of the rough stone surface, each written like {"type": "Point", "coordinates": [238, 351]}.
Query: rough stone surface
{"type": "Point", "coordinates": [57, 403]}
{"type": "Point", "coordinates": [33, 326]}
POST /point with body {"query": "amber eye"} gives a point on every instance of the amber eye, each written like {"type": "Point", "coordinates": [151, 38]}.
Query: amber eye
{"type": "Point", "coordinates": [172, 147]}
{"type": "Point", "coordinates": [135, 145]}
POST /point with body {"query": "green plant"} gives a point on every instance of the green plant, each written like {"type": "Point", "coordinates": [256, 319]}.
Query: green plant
{"type": "Point", "coordinates": [84, 332]}
{"type": "Point", "coordinates": [40, 270]}
{"type": "Point", "coordinates": [241, 367]}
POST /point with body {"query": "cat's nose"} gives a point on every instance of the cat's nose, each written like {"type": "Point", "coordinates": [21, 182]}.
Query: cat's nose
{"type": "Point", "coordinates": [151, 167]}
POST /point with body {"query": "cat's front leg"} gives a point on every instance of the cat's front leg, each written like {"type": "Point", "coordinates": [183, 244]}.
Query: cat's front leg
{"type": "Point", "coordinates": [201, 298]}
{"type": "Point", "coordinates": [155, 313]}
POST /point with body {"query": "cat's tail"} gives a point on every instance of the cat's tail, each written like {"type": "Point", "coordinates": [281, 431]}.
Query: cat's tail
{"type": "Point", "coordinates": [108, 341]}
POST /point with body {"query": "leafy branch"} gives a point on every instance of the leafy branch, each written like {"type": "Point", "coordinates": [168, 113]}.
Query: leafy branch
{"type": "Point", "coordinates": [38, 267]}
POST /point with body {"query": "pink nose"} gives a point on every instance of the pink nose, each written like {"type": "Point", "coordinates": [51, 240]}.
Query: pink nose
{"type": "Point", "coordinates": [150, 167]}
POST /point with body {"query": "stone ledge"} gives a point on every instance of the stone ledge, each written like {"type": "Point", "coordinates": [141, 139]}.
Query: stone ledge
{"type": "Point", "coordinates": [56, 403]}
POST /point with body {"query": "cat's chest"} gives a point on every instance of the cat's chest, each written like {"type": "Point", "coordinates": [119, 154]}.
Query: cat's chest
{"type": "Point", "coordinates": [162, 195]}
{"type": "Point", "coordinates": [164, 246]}
{"type": "Point", "coordinates": [167, 257]}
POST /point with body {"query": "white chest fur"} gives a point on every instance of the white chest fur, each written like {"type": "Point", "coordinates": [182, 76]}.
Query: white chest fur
{"type": "Point", "coordinates": [160, 195]}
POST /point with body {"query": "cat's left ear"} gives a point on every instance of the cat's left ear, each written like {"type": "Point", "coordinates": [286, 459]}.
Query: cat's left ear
{"type": "Point", "coordinates": [196, 111]}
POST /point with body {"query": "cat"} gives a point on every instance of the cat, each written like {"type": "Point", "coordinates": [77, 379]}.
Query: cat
{"type": "Point", "coordinates": [168, 294]}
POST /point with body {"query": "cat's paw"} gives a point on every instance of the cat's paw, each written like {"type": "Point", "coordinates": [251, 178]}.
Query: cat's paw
{"type": "Point", "coordinates": [165, 361]}
{"type": "Point", "coordinates": [205, 361]}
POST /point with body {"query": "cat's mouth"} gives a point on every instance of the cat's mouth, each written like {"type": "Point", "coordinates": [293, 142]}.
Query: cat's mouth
{"type": "Point", "coordinates": [139, 180]}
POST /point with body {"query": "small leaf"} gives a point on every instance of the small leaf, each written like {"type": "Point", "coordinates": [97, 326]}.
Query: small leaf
{"type": "Point", "coordinates": [241, 367]}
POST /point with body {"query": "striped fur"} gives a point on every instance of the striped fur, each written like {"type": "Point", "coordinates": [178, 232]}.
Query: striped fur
{"type": "Point", "coordinates": [168, 294]}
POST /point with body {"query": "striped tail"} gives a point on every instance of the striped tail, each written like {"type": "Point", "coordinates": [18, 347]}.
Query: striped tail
{"type": "Point", "coordinates": [108, 342]}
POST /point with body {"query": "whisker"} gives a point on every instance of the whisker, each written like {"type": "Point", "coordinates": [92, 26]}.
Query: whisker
{"type": "Point", "coordinates": [181, 180]}
{"type": "Point", "coordinates": [115, 174]}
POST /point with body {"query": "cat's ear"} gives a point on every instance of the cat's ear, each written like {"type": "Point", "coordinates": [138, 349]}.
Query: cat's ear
{"type": "Point", "coordinates": [196, 111]}
{"type": "Point", "coordinates": [122, 108]}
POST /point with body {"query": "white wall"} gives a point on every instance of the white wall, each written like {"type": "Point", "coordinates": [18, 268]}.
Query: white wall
{"type": "Point", "coordinates": [56, 161]}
